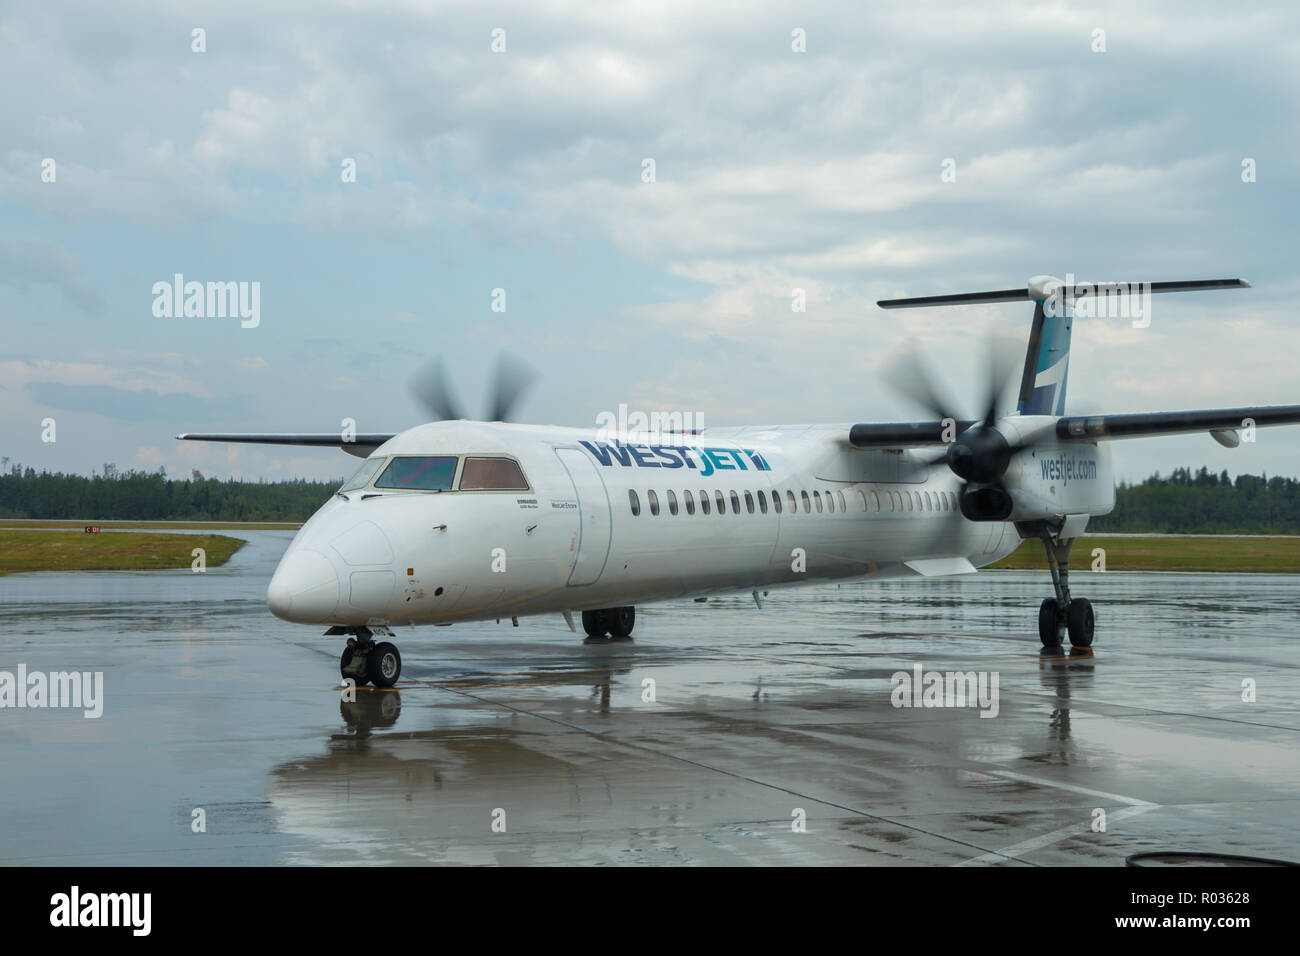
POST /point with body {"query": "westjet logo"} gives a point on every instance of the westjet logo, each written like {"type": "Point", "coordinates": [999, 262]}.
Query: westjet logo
{"type": "Point", "coordinates": [709, 461]}
{"type": "Point", "coordinates": [1066, 470]}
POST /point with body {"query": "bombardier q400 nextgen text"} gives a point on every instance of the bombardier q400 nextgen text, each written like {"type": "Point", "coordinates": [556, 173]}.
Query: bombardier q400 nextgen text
{"type": "Point", "coordinates": [461, 520]}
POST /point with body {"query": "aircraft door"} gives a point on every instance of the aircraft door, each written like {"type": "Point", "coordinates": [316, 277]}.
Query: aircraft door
{"type": "Point", "coordinates": [594, 529]}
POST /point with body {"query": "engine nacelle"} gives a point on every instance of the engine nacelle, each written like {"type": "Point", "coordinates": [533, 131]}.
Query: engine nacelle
{"type": "Point", "coordinates": [986, 504]}
{"type": "Point", "coordinates": [1056, 478]}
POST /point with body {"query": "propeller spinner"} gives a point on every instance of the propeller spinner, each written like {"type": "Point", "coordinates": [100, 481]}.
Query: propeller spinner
{"type": "Point", "coordinates": [979, 456]}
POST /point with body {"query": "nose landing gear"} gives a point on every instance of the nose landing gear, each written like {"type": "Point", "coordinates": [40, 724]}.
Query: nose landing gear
{"type": "Point", "coordinates": [1063, 615]}
{"type": "Point", "coordinates": [367, 662]}
{"type": "Point", "coordinates": [614, 621]}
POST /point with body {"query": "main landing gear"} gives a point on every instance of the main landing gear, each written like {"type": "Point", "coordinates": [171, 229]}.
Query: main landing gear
{"type": "Point", "coordinates": [368, 662]}
{"type": "Point", "coordinates": [1062, 615]}
{"type": "Point", "coordinates": [614, 621]}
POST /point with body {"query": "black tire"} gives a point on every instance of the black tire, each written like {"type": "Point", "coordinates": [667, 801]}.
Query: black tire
{"type": "Point", "coordinates": [1047, 632]}
{"type": "Point", "coordinates": [621, 621]}
{"type": "Point", "coordinates": [1081, 622]}
{"type": "Point", "coordinates": [361, 679]}
{"type": "Point", "coordinates": [384, 665]}
{"type": "Point", "coordinates": [595, 623]}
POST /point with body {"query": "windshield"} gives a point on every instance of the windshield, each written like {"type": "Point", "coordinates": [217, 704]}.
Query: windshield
{"type": "Point", "coordinates": [363, 475]}
{"type": "Point", "coordinates": [423, 473]}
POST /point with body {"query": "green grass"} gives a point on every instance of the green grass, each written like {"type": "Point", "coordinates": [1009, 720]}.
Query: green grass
{"type": "Point", "coordinates": [79, 524]}
{"type": "Point", "coordinates": [74, 550]}
{"type": "Point", "coordinates": [1175, 553]}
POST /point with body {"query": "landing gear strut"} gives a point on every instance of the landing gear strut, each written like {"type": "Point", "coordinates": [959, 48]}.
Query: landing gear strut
{"type": "Point", "coordinates": [1062, 615]}
{"type": "Point", "coordinates": [615, 621]}
{"type": "Point", "coordinates": [368, 662]}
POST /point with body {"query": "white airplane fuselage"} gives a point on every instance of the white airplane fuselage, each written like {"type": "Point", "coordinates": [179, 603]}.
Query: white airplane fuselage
{"type": "Point", "coordinates": [570, 541]}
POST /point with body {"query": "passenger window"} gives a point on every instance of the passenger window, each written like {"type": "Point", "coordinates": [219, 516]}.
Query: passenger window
{"type": "Point", "coordinates": [653, 498]}
{"type": "Point", "coordinates": [722, 504]}
{"type": "Point", "coordinates": [735, 502]}
{"type": "Point", "coordinates": [906, 494]}
{"type": "Point", "coordinates": [749, 502]}
{"type": "Point", "coordinates": [807, 502]}
{"type": "Point", "coordinates": [425, 473]}
{"type": "Point", "coordinates": [794, 505]}
{"type": "Point", "coordinates": [492, 474]}
{"type": "Point", "coordinates": [672, 502]}
{"type": "Point", "coordinates": [704, 501]}
{"type": "Point", "coordinates": [862, 499]}
{"type": "Point", "coordinates": [689, 499]}
{"type": "Point", "coordinates": [776, 501]}
{"type": "Point", "coordinates": [830, 502]}
{"type": "Point", "coordinates": [928, 505]}
{"type": "Point", "coordinates": [875, 501]}
{"type": "Point", "coordinates": [843, 506]}
{"type": "Point", "coordinates": [817, 500]}
{"type": "Point", "coordinates": [634, 501]}
{"type": "Point", "coordinates": [762, 502]}
{"type": "Point", "coordinates": [895, 501]}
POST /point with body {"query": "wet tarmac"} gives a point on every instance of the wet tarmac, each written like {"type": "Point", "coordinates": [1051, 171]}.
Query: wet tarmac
{"type": "Point", "coordinates": [759, 719]}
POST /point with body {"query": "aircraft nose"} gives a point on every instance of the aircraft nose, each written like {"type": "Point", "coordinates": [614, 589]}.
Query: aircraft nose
{"type": "Point", "coordinates": [304, 588]}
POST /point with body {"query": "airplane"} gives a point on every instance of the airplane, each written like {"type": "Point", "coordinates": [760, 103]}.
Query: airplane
{"type": "Point", "coordinates": [458, 520]}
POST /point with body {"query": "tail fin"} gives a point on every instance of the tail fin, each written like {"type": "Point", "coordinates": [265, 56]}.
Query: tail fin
{"type": "Point", "coordinates": [1047, 361]}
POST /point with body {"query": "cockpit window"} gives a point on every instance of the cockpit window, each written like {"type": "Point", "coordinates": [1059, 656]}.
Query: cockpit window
{"type": "Point", "coordinates": [363, 474]}
{"type": "Point", "coordinates": [423, 473]}
{"type": "Point", "coordinates": [492, 474]}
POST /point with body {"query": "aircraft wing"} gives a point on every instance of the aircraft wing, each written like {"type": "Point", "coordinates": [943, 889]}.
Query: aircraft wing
{"type": "Point", "coordinates": [361, 445]}
{"type": "Point", "coordinates": [1147, 424]}
{"type": "Point", "coordinates": [1093, 427]}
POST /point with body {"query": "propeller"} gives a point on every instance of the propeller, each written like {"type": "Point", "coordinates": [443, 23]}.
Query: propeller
{"type": "Point", "coordinates": [981, 454]}
{"type": "Point", "coordinates": [511, 379]}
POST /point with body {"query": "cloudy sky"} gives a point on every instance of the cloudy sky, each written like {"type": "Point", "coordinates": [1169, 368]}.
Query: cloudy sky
{"type": "Point", "coordinates": [523, 169]}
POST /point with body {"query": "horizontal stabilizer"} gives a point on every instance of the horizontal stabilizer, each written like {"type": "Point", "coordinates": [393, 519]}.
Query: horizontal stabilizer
{"type": "Point", "coordinates": [1041, 286]}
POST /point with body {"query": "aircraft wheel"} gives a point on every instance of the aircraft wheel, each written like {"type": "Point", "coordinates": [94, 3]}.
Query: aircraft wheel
{"type": "Point", "coordinates": [595, 623]}
{"type": "Point", "coordinates": [622, 620]}
{"type": "Point", "coordinates": [1081, 622]}
{"type": "Point", "coordinates": [384, 665]}
{"type": "Point", "coordinates": [360, 679]}
{"type": "Point", "coordinates": [1047, 632]}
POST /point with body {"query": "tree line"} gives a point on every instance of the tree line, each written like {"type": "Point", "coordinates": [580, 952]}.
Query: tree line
{"type": "Point", "coordinates": [152, 496]}
{"type": "Point", "coordinates": [1202, 502]}
{"type": "Point", "coordinates": [1184, 501]}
